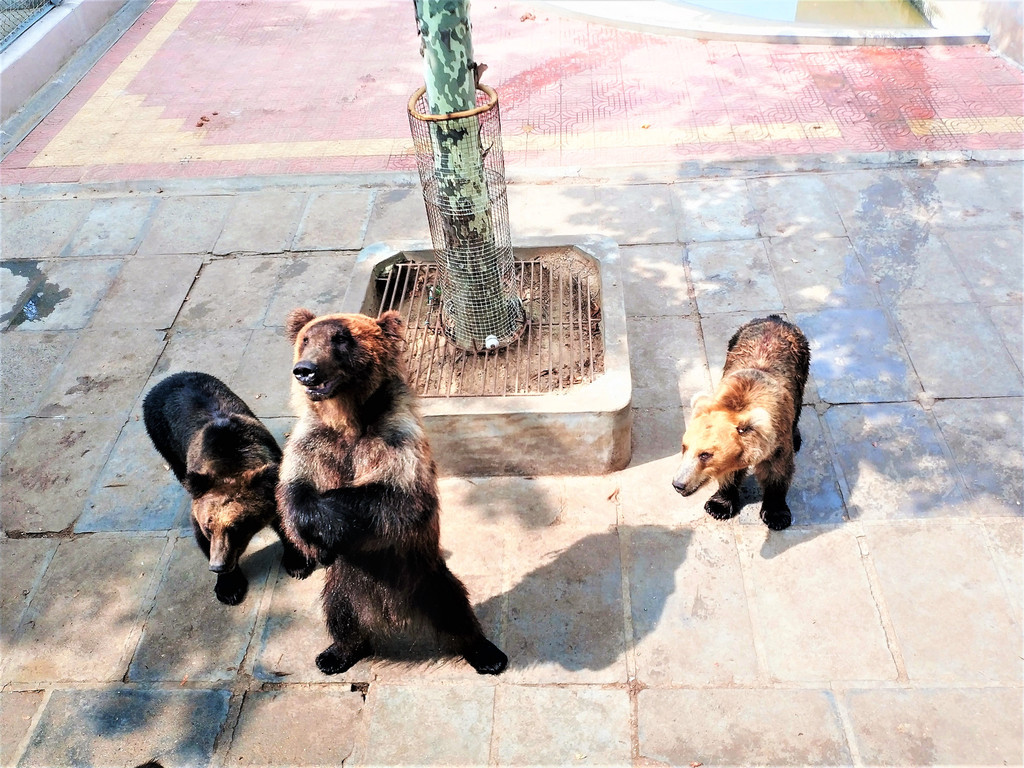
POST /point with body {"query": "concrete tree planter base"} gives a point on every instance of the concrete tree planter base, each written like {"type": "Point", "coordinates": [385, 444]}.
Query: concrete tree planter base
{"type": "Point", "coordinates": [582, 430]}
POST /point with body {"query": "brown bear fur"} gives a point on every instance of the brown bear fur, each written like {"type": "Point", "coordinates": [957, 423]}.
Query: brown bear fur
{"type": "Point", "coordinates": [749, 421]}
{"type": "Point", "coordinates": [228, 462]}
{"type": "Point", "coordinates": [358, 492]}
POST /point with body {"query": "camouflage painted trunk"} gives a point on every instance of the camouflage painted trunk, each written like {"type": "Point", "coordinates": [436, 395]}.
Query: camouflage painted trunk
{"type": "Point", "coordinates": [475, 302]}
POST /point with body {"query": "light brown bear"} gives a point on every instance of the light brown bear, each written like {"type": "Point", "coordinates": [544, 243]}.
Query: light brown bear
{"type": "Point", "coordinates": [228, 461]}
{"type": "Point", "coordinates": [358, 492]}
{"type": "Point", "coordinates": [749, 421]}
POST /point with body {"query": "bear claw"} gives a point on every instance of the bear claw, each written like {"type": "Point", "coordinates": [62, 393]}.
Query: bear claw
{"type": "Point", "coordinates": [298, 567]}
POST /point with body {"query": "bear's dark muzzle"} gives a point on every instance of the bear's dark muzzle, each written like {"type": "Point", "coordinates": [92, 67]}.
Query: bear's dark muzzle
{"type": "Point", "coordinates": [306, 373]}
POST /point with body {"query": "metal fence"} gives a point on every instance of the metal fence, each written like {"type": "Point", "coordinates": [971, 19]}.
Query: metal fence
{"type": "Point", "coordinates": [18, 15]}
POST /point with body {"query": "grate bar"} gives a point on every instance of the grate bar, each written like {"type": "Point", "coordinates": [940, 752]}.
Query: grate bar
{"type": "Point", "coordinates": [556, 350]}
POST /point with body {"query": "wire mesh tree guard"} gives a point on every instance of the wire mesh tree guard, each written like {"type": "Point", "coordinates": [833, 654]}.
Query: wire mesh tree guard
{"type": "Point", "coordinates": [462, 172]}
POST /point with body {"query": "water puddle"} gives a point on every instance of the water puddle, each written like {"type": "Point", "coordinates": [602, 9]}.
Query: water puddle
{"type": "Point", "coordinates": [38, 298]}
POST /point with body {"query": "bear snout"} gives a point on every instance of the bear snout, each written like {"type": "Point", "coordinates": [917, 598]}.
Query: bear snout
{"type": "Point", "coordinates": [306, 373]}
{"type": "Point", "coordinates": [223, 557]}
{"type": "Point", "coordinates": [688, 480]}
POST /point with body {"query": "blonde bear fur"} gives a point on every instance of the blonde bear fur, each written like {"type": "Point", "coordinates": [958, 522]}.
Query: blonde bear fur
{"type": "Point", "coordinates": [749, 421]}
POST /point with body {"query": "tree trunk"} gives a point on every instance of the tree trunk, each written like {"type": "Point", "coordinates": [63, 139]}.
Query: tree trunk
{"type": "Point", "coordinates": [474, 306]}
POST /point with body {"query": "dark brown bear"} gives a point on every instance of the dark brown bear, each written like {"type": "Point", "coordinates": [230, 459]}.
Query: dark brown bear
{"type": "Point", "coordinates": [750, 421]}
{"type": "Point", "coordinates": [228, 462]}
{"type": "Point", "coordinates": [358, 492]}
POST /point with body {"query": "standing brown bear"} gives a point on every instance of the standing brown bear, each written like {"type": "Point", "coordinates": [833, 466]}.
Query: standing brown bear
{"type": "Point", "coordinates": [228, 462]}
{"type": "Point", "coordinates": [750, 421]}
{"type": "Point", "coordinates": [358, 492]}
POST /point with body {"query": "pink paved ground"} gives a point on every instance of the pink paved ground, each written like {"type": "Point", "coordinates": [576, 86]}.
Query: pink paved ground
{"type": "Point", "coordinates": [233, 87]}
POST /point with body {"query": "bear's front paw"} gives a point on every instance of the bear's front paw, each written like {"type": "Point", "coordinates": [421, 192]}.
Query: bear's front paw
{"type": "Point", "coordinates": [297, 565]}
{"type": "Point", "coordinates": [486, 658]}
{"type": "Point", "coordinates": [721, 507]}
{"type": "Point", "coordinates": [231, 587]}
{"type": "Point", "coordinates": [777, 518]}
{"type": "Point", "coordinates": [336, 659]}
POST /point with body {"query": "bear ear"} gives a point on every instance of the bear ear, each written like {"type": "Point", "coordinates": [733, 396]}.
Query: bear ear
{"type": "Point", "coordinates": [196, 483]}
{"type": "Point", "coordinates": [297, 318]}
{"type": "Point", "coordinates": [757, 434]}
{"type": "Point", "coordinates": [265, 475]}
{"type": "Point", "coordinates": [391, 324]}
{"type": "Point", "coordinates": [700, 403]}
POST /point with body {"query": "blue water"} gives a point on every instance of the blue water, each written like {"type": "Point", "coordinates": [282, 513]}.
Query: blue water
{"type": "Point", "coordinates": [857, 13]}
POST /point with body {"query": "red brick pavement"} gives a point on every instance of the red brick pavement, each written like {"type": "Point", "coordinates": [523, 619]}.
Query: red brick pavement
{"type": "Point", "coordinates": [202, 88]}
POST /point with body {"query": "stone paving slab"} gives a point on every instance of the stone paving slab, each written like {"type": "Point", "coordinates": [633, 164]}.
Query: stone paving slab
{"type": "Point", "coordinates": [217, 352]}
{"type": "Point", "coordinates": [690, 618]}
{"type": "Point", "coordinates": [985, 438]}
{"type": "Point", "coordinates": [733, 276]}
{"type": "Point", "coordinates": [988, 259]}
{"type": "Point", "coordinates": [261, 222]}
{"type": "Point", "coordinates": [334, 221]}
{"type": "Point", "coordinates": [46, 480]}
{"type": "Point", "coordinates": [230, 293]}
{"type": "Point", "coordinates": [83, 619]}
{"type": "Point", "coordinates": [112, 228]}
{"type": "Point", "coordinates": [814, 273]}
{"type": "Point", "coordinates": [565, 613]}
{"type": "Point", "coordinates": [561, 726]}
{"type": "Point", "coordinates": [17, 711]}
{"type": "Point", "coordinates": [893, 463]}
{"type": "Point", "coordinates": [654, 282]}
{"type": "Point", "coordinates": [135, 491]}
{"type": "Point", "coordinates": [30, 361]}
{"type": "Point", "coordinates": [788, 206]}
{"type": "Point", "coordinates": [453, 725]}
{"type": "Point", "coordinates": [1006, 539]}
{"type": "Point", "coordinates": [297, 727]}
{"type": "Point", "coordinates": [718, 210]}
{"type": "Point", "coordinates": [63, 296]}
{"type": "Point", "coordinates": [665, 361]}
{"type": "Point", "coordinates": [22, 565]}
{"type": "Point", "coordinates": [40, 229]}
{"type": "Point", "coordinates": [949, 610]}
{"type": "Point", "coordinates": [317, 282]}
{"type": "Point", "coordinates": [830, 615]}
{"type": "Point", "coordinates": [937, 726]}
{"type": "Point", "coordinates": [719, 727]}
{"type": "Point", "coordinates": [912, 266]}
{"type": "Point", "coordinates": [127, 727]}
{"type": "Point", "coordinates": [956, 352]}
{"type": "Point", "coordinates": [857, 356]}
{"type": "Point", "coordinates": [189, 634]}
{"type": "Point", "coordinates": [183, 225]}
{"type": "Point", "coordinates": [103, 375]}
{"type": "Point", "coordinates": [147, 293]}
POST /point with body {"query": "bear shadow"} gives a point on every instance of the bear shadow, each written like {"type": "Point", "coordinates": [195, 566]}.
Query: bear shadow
{"type": "Point", "coordinates": [567, 612]}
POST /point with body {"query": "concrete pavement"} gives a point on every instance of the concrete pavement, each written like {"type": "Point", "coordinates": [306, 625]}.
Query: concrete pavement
{"type": "Point", "coordinates": [883, 628]}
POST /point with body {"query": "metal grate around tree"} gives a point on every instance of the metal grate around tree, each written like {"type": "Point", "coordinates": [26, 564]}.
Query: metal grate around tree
{"type": "Point", "coordinates": [560, 346]}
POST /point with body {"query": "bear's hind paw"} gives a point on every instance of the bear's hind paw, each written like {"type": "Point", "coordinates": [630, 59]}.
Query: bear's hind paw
{"type": "Point", "coordinates": [335, 660]}
{"type": "Point", "coordinates": [486, 658]}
